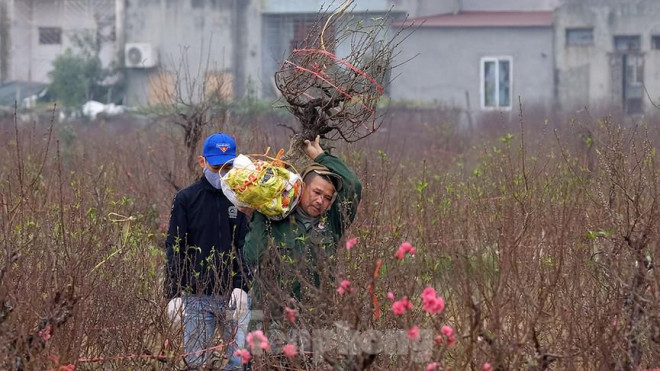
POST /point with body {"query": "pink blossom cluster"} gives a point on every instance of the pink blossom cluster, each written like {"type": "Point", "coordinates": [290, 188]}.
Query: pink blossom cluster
{"type": "Point", "coordinates": [399, 307]}
{"type": "Point", "coordinates": [430, 302]}
{"type": "Point", "coordinates": [447, 333]}
{"type": "Point", "coordinates": [259, 336]}
{"type": "Point", "coordinates": [45, 333]}
{"type": "Point", "coordinates": [345, 287]}
{"type": "Point", "coordinates": [351, 242]}
{"type": "Point", "coordinates": [413, 333]}
{"type": "Point", "coordinates": [290, 350]}
{"type": "Point", "coordinates": [404, 248]}
{"type": "Point", "coordinates": [244, 354]}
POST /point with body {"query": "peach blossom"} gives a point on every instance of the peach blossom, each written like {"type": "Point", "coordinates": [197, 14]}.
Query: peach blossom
{"type": "Point", "coordinates": [413, 333]}
{"type": "Point", "coordinates": [290, 350]}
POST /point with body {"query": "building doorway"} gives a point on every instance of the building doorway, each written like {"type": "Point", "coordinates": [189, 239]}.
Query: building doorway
{"type": "Point", "coordinates": [628, 73]}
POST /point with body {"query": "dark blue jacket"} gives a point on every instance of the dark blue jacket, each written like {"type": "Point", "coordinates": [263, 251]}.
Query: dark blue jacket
{"type": "Point", "coordinates": [205, 243]}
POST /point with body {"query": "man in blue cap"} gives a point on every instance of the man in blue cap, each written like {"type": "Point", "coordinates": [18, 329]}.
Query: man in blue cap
{"type": "Point", "coordinates": [205, 266]}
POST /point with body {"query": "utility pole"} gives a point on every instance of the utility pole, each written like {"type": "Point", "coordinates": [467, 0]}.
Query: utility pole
{"type": "Point", "coordinates": [5, 41]}
{"type": "Point", "coordinates": [120, 38]}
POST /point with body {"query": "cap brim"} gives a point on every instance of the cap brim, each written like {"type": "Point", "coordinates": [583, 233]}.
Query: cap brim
{"type": "Point", "coordinates": [220, 160]}
{"type": "Point", "coordinates": [338, 183]}
{"type": "Point", "coordinates": [323, 170]}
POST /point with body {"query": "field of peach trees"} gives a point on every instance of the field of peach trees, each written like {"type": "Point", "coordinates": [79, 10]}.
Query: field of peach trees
{"type": "Point", "coordinates": [524, 242]}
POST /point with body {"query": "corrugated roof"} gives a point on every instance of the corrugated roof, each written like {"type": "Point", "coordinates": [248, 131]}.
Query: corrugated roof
{"type": "Point", "coordinates": [19, 90]}
{"type": "Point", "coordinates": [483, 19]}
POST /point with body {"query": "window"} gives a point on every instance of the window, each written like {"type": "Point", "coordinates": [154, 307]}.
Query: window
{"type": "Point", "coordinates": [655, 42]}
{"type": "Point", "coordinates": [579, 36]}
{"type": "Point", "coordinates": [306, 31]}
{"type": "Point", "coordinates": [627, 43]}
{"type": "Point", "coordinates": [496, 82]}
{"type": "Point", "coordinates": [50, 35]}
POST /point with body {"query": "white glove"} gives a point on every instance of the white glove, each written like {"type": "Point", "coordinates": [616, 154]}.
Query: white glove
{"type": "Point", "coordinates": [175, 310]}
{"type": "Point", "coordinates": [238, 302]}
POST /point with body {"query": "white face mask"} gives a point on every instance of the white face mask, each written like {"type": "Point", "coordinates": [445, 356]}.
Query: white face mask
{"type": "Point", "coordinates": [214, 178]}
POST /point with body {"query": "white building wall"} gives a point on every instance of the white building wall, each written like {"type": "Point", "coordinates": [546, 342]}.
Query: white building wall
{"type": "Point", "coordinates": [32, 61]}
{"type": "Point", "coordinates": [441, 65]}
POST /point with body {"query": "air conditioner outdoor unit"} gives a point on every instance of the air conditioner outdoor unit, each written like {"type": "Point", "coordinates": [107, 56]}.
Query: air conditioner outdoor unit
{"type": "Point", "coordinates": [140, 55]}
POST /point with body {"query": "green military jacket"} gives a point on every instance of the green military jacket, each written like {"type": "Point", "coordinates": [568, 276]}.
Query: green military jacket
{"type": "Point", "coordinates": [295, 241]}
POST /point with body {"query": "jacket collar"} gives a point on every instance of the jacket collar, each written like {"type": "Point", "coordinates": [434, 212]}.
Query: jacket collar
{"type": "Point", "coordinates": [207, 186]}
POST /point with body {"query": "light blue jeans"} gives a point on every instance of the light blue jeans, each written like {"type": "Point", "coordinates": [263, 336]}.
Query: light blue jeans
{"type": "Point", "coordinates": [201, 317]}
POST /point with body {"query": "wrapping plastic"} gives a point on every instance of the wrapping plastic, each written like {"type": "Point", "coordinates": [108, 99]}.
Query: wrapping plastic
{"type": "Point", "coordinates": [266, 186]}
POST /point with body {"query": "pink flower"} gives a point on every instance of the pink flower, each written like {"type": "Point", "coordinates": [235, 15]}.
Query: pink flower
{"type": "Point", "coordinates": [451, 340]}
{"type": "Point", "coordinates": [244, 354]}
{"type": "Point", "coordinates": [69, 367]}
{"type": "Point", "coordinates": [413, 333]}
{"type": "Point", "coordinates": [290, 350]}
{"type": "Point", "coordinates": [428, 292]}
{"type": "Point", "coordinates": [486, 367]}
{"type": "Point", "coordinates": [390, 296]}
{"type": "Point", "coordinates": [260, 337]}
{"type": "Point", "coordinates": [433, 305]}
{"type": "Point", "coordinates": [345, 287]}
{"type": "Point", "coordinates": [45, 332]}
{"type": "Point", "coordinates": [404, 248]}
{"type": "Point", "coordinates": [447, 331]}
{"type": "Point", "coordinates": [430, 302]}
{"type": "Point", "coordinates": [250, 339]}
{"type": "Point", "coordinates": [350, 243]}
{"type": "Point", "coordinates": [432, 366]}
{"type": "Point", "coordinates": [400, 307]}
{"type": "Point", "coordinates": [291, 314]}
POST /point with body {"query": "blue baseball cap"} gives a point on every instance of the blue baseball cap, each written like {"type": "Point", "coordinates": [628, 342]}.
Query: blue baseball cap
{"type": "Point", "coordinates": [219, 149]}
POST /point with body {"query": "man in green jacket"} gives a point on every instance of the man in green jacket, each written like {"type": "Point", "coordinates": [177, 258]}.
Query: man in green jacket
{"type": "Point", "coordinates": [306, 239]}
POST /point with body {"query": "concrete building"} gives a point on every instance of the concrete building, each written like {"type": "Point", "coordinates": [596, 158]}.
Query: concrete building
{"type": "Point", "coordinates": [478, 60]}
{"type": "Point", "coordinates": [607, 52]}
{"type": "Point", "coordinates": [193, 47]}
{"type": "Point", "coordinates": [237, 43]}
{"type": "Point", "coordinates": [476, 55]}
{"type": "Point", "coordinates": [480, 57]}
{"type": "Point", "coordinates": [287, 23]}
{"type": "Point", "coordinates": [34, 32]}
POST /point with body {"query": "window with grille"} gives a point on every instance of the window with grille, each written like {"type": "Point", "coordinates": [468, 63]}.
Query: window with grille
{"type": "Point", "coordinates": [628, 43]}
{"type": "Point", "coordinates": [50, 35]}
{"type": "Point", "coordinates": [655, 42]}
{"type": "Point", "coordinates": [579, 36]}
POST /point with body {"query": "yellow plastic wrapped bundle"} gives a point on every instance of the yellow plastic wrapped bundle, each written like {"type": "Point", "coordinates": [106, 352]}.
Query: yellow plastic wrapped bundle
{"type": "Point", "coordinates": [267, 186]}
